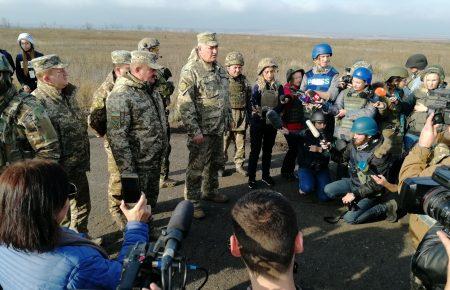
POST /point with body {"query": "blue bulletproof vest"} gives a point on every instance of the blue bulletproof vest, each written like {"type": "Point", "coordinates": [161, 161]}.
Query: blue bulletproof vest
{"type": "Point", "coordinates": [319, 82]}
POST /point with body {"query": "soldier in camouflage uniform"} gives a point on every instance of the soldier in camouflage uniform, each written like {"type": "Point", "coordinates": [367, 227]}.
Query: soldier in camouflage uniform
{"type": "Point", "coordinates": [165, 87]}
{"type": "Point", "coordinates": [26, 130]}
{"type": "Point", "coordinates": [57, 96]}
{"type": "Point", "coordinates": [240, 93]}
{"type": "Point", "coordinates": [416, 63]}
{"type": "Point", "coordinates": [204, 107]}
{"type": "Point", "coordinates": [423, 99]}
{"type": "Point", "coordinates": [97, 120]}
{"type": "Point", "coordinates": [136, 124]}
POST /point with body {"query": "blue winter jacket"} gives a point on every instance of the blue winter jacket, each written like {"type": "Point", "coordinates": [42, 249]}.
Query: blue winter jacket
{"type": "Point", "coordinates": [67, 267]}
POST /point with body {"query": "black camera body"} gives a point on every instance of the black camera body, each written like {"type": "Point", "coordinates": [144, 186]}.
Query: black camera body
{"type": "Point", "coordinates": [428, 195]}
{"type": "Point", "coordinates": [441, 106]}
{"type": "Point", "coordinates": [347, 79]}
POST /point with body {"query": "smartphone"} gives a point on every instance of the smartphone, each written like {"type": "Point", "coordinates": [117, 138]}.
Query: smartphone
{"type": "Point", "coordinates": [131, 191]}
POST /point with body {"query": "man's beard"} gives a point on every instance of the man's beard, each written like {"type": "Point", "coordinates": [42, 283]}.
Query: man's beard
{"type": "Point", "coordinates": [360, 143]}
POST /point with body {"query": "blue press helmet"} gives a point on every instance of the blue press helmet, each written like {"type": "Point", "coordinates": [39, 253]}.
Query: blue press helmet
{"type": "Point", "coordinates": [365, 126]}
{"type": "Point", "coordinates": [364, 74]}
{"type": "Point", "coordinates": [323, 48]}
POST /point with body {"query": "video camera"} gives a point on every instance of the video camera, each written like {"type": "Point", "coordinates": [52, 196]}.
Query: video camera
{"type": "Point", "coordinates": [428, 195]}
{"type": "Point", "coordinates": [161, 261]}
{"type": "Point", "coordinates": [347, 78]}
{"type": "Point", "coordinates": [441, 106]}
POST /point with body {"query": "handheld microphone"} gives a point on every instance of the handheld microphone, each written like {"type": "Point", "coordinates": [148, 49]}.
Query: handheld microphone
{"type": "Point", "coordinates": [177, 229]}
{"type": "Point", "coordinates": [313, 129]}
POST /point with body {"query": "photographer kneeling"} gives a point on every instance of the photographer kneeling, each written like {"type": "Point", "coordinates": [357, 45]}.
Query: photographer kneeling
{"type": "Point", "coordinates": [429, 263]}
{"type": "Point", "coordinates": [366, 200]}
{"type": "Point", "coordinates": [35, 252]}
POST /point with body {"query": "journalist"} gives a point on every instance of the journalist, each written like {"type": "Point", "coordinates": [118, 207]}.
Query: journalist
{"type": "Point", "coordinates": [35, 252]}
{"type": "Point", "coordinates": [429, 263]}
{"type": "Point", "coordinates": [266, 237]}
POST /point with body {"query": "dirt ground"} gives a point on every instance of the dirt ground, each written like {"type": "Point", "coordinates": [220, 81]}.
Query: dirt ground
{"type": "Point", "coordinates": [372, 256]}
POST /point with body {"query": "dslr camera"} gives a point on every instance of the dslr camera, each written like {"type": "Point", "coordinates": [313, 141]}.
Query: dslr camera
{"type": "Point", "coordinates": [428, 195]}
{"type": "Point", "coordinates": [441, 106]}
{"type": "Point", "coordinates": [347, 78]}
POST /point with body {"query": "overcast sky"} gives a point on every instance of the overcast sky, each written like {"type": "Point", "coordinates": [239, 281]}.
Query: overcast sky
{"type": "Point", "coordinates": [343, 18]}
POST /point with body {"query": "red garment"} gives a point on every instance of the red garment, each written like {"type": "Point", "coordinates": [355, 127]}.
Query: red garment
{"type": "Point", "coordinates": [287, 89]}
{"type": "Point", "coordinates": [292, 127]}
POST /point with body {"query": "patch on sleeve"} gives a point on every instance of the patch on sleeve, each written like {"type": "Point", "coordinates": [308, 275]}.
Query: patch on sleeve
{"type": "Point", "coordinates": [182, 87]}
{"type": "Point", "coordinates": [114, 120]}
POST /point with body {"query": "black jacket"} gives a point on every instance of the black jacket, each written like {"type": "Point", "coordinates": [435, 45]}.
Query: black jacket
{"type": "Point", "coordinates": [378, 166]}
{"type": "Point", "coordinates": [21, 77]}
{"type": "Point", "coordinates": [311, 160]}
{"type": "Point", "coordinates": [429, 263]}
{"type": "Point", "coordinates": [9, 58]}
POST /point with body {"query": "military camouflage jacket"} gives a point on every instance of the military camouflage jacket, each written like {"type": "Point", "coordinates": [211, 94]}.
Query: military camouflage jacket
{"type": "Point", "coordinates": [26, 130]}
{"type": "Point", "coordinates": [163, 86]}
{"type": "Point", "coordinates": [70, 124]}
{"type": "Point", "coordinates": [97, 115]}
{"type": "Point", "coordinates": [136, 125]}
{"type": "Point", "coordinates": [203, 97]}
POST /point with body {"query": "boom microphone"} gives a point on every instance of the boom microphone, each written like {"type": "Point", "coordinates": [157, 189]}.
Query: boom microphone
{"type": "Point", "coordinates": [313, 129]}
{"type": "Point", "coordinates": [177, 229]}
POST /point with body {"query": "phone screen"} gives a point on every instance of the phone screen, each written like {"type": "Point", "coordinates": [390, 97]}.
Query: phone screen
{"type": "Point", "coordinates": [131, 191]}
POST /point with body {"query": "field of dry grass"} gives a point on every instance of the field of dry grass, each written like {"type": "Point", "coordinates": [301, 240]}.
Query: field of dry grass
{"type": "Point", "coordinates": [88, 51]}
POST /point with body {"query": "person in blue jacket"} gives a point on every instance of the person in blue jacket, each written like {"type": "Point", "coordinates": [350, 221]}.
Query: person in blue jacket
{"type": "Point", "coordinates": [35, 252]}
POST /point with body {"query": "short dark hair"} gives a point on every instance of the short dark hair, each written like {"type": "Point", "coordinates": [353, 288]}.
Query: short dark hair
{"type": "Point", "coordinates": [32, 192]}
{"type": "Point", "coordinates": [265, 225]}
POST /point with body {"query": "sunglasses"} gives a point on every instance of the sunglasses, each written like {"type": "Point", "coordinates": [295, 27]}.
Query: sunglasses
{"type": "Point", "coordinates": [72, 190]}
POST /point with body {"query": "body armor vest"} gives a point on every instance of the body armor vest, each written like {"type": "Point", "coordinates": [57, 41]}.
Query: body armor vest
{"type": "Point", "coordinates": [319, 82]}
{"type": "Point", "coordinates": [352, 101]}
{"type": "Point", "coordinates": [237, 88]}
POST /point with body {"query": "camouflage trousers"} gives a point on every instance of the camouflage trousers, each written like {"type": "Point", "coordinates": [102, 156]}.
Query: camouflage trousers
{"type": "Point", "coordinates": [80, 206]}
{"type": "Point", "coordinates": [164, 174]}
{"type": "Point", "coordinates": [114, 184]}
{"type": "Point", "coordinates": [205, 160]}
{"type": "Point", "coordinates": [392, 143]}
{"type": "Point", "coordinates": [148, 182]}
{"type": "Point", "coordinates": [239, 144]}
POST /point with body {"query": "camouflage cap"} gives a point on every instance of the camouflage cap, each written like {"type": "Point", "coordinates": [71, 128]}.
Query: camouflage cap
{"type": "Point", "coordinates": [147, 43]}
{"type": "Point", "coordinates": [266, 62]}
{"type": "Point", "coordinates": [433, 69]}
{"type": "Point", "coordinates": [439, 69]}
{"type": "Point", "coordinates": [145, 57]}
{"type": "Point", "coordinates": [360, 63]}
{"type": "Point", "coordinates": [396, 71]}
{"type": "Point", "coordinates": [291, 71]}
{"type": "Point", "coordinates": [233, 58]}
{"type": "Point", "coordinates": [4, 64]}
{"type": "Point", "coordinates": [208, 38]}
{"type": "Point", "coordinates": [121, 57]}
{"type": "Point", "coordinates": [46, 62]}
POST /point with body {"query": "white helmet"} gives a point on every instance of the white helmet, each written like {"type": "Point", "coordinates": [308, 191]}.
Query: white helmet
{"type": "Point", "coordinates": [25, 36]}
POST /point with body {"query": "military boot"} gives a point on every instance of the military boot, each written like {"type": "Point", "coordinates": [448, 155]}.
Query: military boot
{"type": "Point", "coordinates": [167, 183]}
{"type": "Point", "coordinates": [241, 170]}
{"type": "Point", "coordinates": [216, 197]}
{"type": "Point", "coordinates": [199, 213]}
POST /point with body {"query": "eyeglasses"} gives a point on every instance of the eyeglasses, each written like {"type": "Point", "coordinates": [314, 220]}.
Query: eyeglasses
{"type": "Point", "coordinates": [72, 190]}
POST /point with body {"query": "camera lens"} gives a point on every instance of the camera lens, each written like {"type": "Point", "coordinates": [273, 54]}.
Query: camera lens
{"type": "Point", "coordinates": [437, 205]}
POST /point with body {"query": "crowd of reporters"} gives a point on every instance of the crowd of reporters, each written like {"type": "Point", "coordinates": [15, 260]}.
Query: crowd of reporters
{"type": "Point", "coordinates": [383, 132]}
